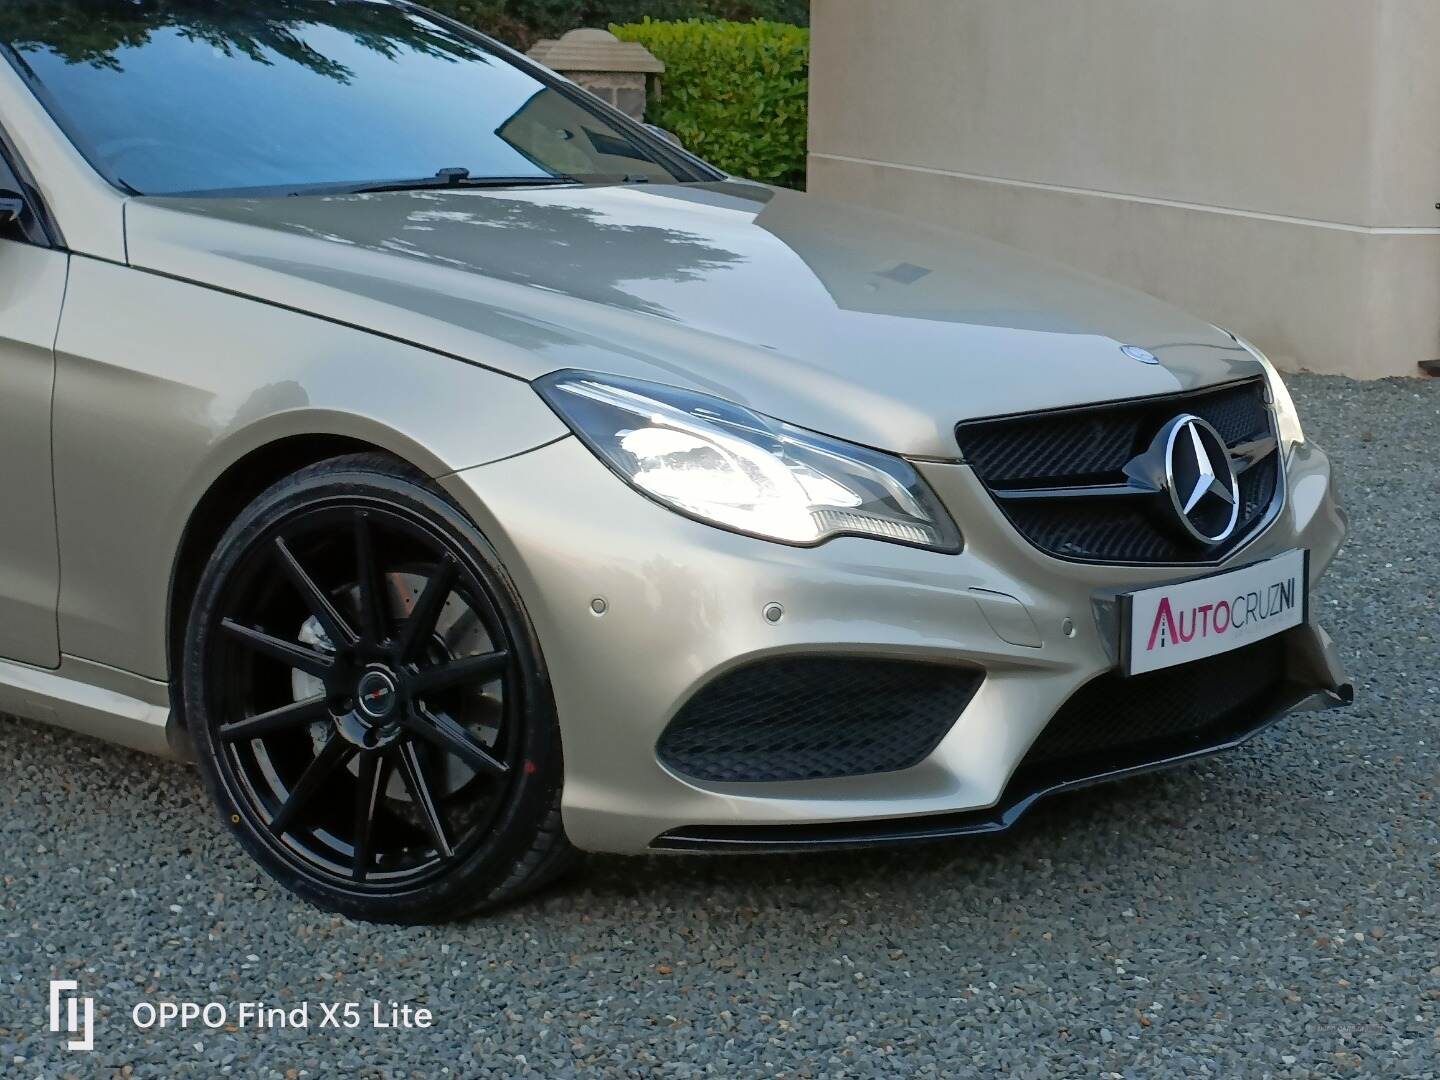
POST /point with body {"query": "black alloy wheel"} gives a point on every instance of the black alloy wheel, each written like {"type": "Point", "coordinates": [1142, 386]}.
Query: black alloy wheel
{"type": "Point", "coordinates": [367, 700]}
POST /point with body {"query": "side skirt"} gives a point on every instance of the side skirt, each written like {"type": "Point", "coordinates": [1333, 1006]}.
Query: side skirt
{"type": "Point", "coordinates": [91, 699]}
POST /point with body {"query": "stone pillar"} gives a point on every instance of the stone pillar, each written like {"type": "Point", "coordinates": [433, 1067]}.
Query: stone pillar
{"type": "Point", "coordinates": [1273, 167]}
{"type": "Point", "coordinates": [615, 71]}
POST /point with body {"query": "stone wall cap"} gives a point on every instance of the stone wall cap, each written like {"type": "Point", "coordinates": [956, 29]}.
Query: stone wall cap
{"type": "Point", "coordinates": [590, 49]}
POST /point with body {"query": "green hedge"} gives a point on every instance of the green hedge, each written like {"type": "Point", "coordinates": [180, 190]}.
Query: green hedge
{"type": "Point", "coordinates": [490, 17]}
{"type": "Point", "coordinates": [522, 22]}
{"type": "Point", "coordinates": [734, 93]}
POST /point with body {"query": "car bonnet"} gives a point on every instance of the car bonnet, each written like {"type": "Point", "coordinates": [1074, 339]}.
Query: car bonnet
{"type": "Point", "coordinates": [862, 324]}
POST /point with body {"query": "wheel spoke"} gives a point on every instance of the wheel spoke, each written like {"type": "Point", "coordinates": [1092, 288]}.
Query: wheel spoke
{"type": "Point", "coordinates": [425, 615]}
{"type": "Point", "coordinates": [281, 719]}
{"type": "Point", "coordinates": [455, 672]}
{"type": "Point", "coordinates": [381, 803]}
{"type": "Point", "coordinates": [413, 773]}
{"type": "Point", "coordinates": [369, 580]}
{"type": "Point", "coordinates": [445, 734]}
{"type": "Point", "coordinates": [369, 790]}
{"type": "Point", "coordinates": [336, 628]}
{"type": "Point", "coordinates": [335, 754]}
{"type": "Point", "coordinates": [289, 653]}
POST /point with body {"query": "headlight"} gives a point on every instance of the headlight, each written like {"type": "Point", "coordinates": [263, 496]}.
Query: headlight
{"type": "Point", "coordinates": [725, 465]}
{"type": "Point", "coordinates": [1291, 433]}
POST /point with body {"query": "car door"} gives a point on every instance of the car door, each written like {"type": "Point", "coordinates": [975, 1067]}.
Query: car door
{"type": "Point", "coordinates": [32, 289]}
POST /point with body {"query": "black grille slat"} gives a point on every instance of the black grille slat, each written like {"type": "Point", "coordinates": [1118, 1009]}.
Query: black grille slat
{"type": "Point", "coordinates": [1238, 413]}
{"type": "Point", "coordinates": [1257, 491]}
{"type": "Point", "coordinates": [1069, 447]}
{"type": "Point", "coordinates": [1115, 716]}
{"type": "Point", "coordinates": [811, 718]}
{"type": "Point", "coordinates": [1088, 529]}
{"type": "Point", "coordinates": [1091, 446]}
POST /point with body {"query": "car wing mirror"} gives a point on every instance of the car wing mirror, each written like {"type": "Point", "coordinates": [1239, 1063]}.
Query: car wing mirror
{"type": "Point", "coordinates": [12, 205]}
{"type": "Point", "coordinates": [668, 136]}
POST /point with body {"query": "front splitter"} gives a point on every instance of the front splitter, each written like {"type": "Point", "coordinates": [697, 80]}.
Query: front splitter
{"type": "Point", "coordinates": [1026, 788]}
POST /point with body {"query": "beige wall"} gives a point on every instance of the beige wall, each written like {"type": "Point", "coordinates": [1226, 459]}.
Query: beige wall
{"type": "Point", "coordinates": [1273, 165]}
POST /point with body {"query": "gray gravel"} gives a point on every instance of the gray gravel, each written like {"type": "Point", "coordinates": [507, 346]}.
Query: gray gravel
{"type": "Point", "coordinates": [1272, 912]}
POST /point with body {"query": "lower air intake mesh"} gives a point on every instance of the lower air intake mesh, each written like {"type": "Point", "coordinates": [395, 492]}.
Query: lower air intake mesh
{"type": "Point", "coordinates": [814, 717]}
{"type": "Point", "coordinates": [1113, 716]}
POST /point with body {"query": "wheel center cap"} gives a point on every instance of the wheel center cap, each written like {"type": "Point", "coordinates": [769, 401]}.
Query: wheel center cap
{"type": "Point", "coordinates": [377, 695]}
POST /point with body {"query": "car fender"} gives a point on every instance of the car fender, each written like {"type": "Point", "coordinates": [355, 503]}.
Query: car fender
{"type": "Point", "coordinates": [162, 386]}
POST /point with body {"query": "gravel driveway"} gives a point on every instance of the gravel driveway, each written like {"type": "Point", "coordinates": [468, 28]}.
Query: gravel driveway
{"type": "Point", "coordinates": [1271, 912]}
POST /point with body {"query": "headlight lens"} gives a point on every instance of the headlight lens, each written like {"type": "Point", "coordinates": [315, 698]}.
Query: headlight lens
{"type": "Point", "coordinates": [725, 465]}
{"type": "Point", "coordinates": [1291, 433]}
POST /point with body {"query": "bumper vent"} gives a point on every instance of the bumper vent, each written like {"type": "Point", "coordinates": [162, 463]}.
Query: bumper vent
{"type": "Point", "coordinates": [1113, 719]}
{"type": "Point", "coordinates": [815, 718]}
{"type": "Point", "coordinates": [1028, 462]}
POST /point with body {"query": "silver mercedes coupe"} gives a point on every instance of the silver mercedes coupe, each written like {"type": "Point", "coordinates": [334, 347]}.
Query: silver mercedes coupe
{"type": "Point", "coordinates": [463, 475]}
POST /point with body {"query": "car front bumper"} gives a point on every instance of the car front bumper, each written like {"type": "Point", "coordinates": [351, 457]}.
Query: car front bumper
{"type": "Point", "coordinates": [684, 603]}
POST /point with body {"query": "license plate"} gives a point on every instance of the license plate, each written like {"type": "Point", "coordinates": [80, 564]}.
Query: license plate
{"type": "Point", "coordinates": [1174, 624]}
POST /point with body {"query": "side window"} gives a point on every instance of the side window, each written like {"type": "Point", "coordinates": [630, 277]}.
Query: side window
{"type": "Point", "coordinates": [17, 216]}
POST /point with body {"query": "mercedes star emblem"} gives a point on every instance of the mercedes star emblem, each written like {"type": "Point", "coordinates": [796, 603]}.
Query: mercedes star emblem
{"type": "Point", "coordinates": [1135, 352]}
{"type": "Point", "coordinates": [1200, 479]}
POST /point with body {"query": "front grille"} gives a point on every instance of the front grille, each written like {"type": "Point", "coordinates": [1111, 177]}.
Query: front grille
{"type": "Point", "coordinates": [1090, 446]}
{"type": "Point", "coordinates": [811, 718]}
{"type": "Point", "coordinates": [1113, 718]}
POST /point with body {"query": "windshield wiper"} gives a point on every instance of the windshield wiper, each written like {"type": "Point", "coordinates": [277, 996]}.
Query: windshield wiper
{"type": "Point", "coordinates": [617, 178]}
{"type": "Point", "coordinates": [445, 178]}
{"type": "Point", "coordinates": [456, 178]}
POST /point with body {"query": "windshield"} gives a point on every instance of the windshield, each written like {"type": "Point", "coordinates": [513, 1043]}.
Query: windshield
{"type": "Point", "coordinates": [182, 97]}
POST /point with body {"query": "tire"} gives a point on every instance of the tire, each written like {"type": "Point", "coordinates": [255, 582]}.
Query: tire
{"type": "Point", "coordinates": [368, 702]}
